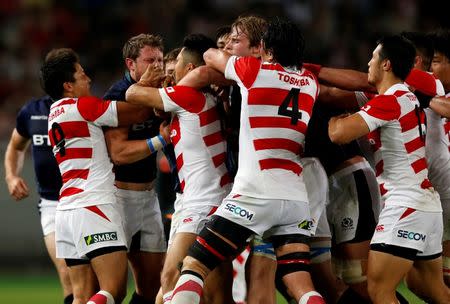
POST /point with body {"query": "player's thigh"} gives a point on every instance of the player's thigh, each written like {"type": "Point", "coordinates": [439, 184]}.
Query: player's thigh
{"type": "Point", "coordinates": [218, 284]}
{"type": "Point", "coordinates": [430, 274]}
{"type": "Point", "coordinates": [178, 251]}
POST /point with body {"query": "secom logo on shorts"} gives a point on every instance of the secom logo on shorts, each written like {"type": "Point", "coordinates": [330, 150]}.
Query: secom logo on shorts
{"type": "Point", "coordinates": [248, 214]}
{"type": "Point", "coordinates": [411, 235]}
{"type": "Point", "coordinates": [100, 237]}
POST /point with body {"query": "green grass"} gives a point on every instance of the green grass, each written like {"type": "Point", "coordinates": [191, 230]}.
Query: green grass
{"type": "Point", "coordinates": [44, 289]}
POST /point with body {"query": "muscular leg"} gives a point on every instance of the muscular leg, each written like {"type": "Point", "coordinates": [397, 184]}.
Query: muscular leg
{"type": "Point", "coordinates": [146, 268]}
{"type": "Point", "coordinates": [260, 272]}
{"type": "Point", "coordinates": [429, 281]}
{"type": "Point", "coordinates": [111, 271]}
{"type": "Point", "coordinates": [84, 283]}
{"type": "Point", "coordinates": [60, 264]}
{"type": "Point", "coordinates": [446, 261]}
{"type": "Point", "coordinates": [175, 255]}
{"type": "Point", "coordinates": [384, 273]}
{"type": "Point", "coordinates": [219, 285]}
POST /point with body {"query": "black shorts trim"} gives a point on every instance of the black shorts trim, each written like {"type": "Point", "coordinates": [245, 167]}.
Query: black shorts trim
{"type": "Point", "coordinates": [135, 245]}
{"type": "Point", "coordinates": [401, 252]}
{"type": "Point", "coordinates": [76, 262]}
{"type": "Point", "coordinates": [428, 257]}
{"type": "Point", "coordinates": [105, 250]}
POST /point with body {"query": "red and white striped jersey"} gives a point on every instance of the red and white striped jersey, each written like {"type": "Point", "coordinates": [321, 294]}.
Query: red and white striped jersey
{"type": "Point", "coordinates": [276, 107]}
{"type": "Point", "coordinates": [199, 144]}
{"type": "Point", "coordinates": [76, 135]}
{"type": "Point", "coordinates": [447, 125]}
{"type": "Point", "coordinates": [399, 149]}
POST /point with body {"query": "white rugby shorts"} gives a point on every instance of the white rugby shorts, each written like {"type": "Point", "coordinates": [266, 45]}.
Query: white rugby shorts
{"type": "Point", "coordinates": [47, 209]}
{"type": "Point", "coordinates": [82, 230]}
{"type": "Point", "coordinates": [410, 228]}
{"type": "Point", "coordinates": [142, 220]}
{"type": "Point", "coordinates": [189, 219]}
{"type": "Point", "coordinates": [267, 217]}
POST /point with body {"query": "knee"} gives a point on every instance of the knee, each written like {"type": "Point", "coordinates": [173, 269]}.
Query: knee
{"type": "Point", "coordinates": [170, 275]}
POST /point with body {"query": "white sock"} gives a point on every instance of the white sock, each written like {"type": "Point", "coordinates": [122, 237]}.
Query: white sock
{"type": "Point", "coordinates": [101, 297]}
{"type": "Point", "coordinates": [188, 290]}
{"type": "Point", "coordinates": [311, 297]}
{"type": "Point", "coordinates": [167, 297]}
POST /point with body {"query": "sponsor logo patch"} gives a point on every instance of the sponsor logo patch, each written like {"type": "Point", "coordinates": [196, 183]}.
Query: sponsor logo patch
{"type": "Point", "coordinates": [305, 224]}
{"type": "Point", "coordinates": [347, 223]}
{"type": "Point", "coordinates": [239, 211]}
{"type": "Point", "coordinates": [411, 235]}
{"type": "Point", "coordinates": [100, 237]}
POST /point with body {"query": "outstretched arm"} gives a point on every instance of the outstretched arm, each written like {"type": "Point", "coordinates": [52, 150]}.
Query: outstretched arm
{"type": "Point", "coordinates": [14, 159]}
{"type": "Point", "coordinates": [203, 76]}
{"type": "Point", "coordinates": [216, 59]}
{"type": "Point", "coordinates": [345, 79]}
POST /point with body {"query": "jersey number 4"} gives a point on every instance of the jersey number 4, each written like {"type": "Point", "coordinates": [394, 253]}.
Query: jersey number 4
{"type": "Point", "coordinates": [294, 114]}
{"type": "Point", "coordinates": [59, 138]}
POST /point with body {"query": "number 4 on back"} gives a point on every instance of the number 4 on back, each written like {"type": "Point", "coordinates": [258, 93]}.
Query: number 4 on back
{"type": "Point", "coordinates": [294, 114]}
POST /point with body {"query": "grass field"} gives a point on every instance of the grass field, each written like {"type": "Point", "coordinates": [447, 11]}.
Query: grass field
{"type": "Point", "coordinates": [44, 289]}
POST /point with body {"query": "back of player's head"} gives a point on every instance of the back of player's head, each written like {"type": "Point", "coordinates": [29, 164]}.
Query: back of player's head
{"type": "Point", "coordinates": [133, 46]}
{"type": "Point", "coordinates": [423, 44]}
{"type": "Point", "coordinates": [58, 68]}
{"type": "Point", "coordinates": [441, 42]}
{"type": "Point", "coordinates": [284, 39]}
{"type": "Point", "coordinates": [253, 26]}
{"type": "Point", "coordinates": [400, 52]}
{"type": "Point", "coordinates": [194, 45]}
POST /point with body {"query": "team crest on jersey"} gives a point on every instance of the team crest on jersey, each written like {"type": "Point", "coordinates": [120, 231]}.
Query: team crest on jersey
{"type": "Point", "coordinates": [100, 237]}
{"type": "Point", "coordinates": [170, 89]}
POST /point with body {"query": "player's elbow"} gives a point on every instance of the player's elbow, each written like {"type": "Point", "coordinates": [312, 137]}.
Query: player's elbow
{"type": "Point", "coordinates": [131, 94]}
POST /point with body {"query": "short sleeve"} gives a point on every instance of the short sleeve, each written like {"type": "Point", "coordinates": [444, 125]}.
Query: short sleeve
{"type": "Point", "coordinates": [99, 111]}
{"type": "Point", "coordinates": [380, 110]}
{"type": "Point", "coordinates": [22, 119]}
{"type": "Point", "coordinates": [243, 70]}
{"type": "Point", "coordinates": [182, 98]}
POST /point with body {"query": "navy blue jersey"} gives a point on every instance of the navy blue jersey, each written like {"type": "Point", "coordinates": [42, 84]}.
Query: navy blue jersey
{"type": "Point", "coordinates": [142, 171]}
{"type": "Point", "coordinates": [31, 122]}
{"type": "Point", "coordinates": [318, 143]}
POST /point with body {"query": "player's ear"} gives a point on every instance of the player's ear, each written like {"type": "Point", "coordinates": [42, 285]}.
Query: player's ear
{"type": "Point", "coordinates": [190, 66]}
{"type": "Point", "coordinates": [129, 63]}
{"type": "Point", "coordinates": [386, 65]}
{"type": "Point", "coordinates": [68, 86]}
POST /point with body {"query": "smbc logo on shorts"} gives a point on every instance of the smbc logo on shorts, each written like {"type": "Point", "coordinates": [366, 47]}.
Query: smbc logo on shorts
{"type": "Point", "coordinates": [100, 237]}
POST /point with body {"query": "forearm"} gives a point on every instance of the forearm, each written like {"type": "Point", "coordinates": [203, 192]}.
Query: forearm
{"type": "Point", "coordinates": [441, 105]}
{"type": "Point", "coordinates": [345, 79]}
{"type": "Point", "coordinates": [204, 76]}
{"type": "Point", "coordinates": [14, 160]}
{"type": "Point", "coordinates": [132, 151]}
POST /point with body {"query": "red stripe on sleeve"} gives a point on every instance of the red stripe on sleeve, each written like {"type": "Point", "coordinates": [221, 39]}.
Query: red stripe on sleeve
{"type": "Point", "coordinates": [225, 179]}
{"type": "Point", "coordinates": [63, 102]}
{"type": "Point", "coordinates": [247, 68]}
{"type": "Point", "coordinates": [180, 161]}
{"type": "Point", "coordinates": [91, 108]}
{"type": "Point", "coordinates": [379, 168]}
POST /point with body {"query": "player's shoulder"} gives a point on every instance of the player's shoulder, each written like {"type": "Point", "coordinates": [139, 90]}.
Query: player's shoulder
{"type": "Point", "coordinates": [118, 89]}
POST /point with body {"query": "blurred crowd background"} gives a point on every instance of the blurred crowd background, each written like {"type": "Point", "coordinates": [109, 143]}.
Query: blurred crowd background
{"type": "Point", "coordinates": [338, 33]}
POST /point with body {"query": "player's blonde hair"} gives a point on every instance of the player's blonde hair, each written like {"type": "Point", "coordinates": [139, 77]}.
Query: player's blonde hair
{"type": "Point", "coordinates": [253, 26]}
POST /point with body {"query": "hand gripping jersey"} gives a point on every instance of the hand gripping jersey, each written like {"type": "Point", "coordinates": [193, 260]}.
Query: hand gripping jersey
{"type": "Point", "coordinates": [199, 144]}
{"type": "Point", "coordinates": [276, 107]}
{"type": "Point", "coordinates": [31, 122]}
{"type": "Point", "coordinates": [75, 132]}
{"type": "Point", "coordinates": [399, 149]}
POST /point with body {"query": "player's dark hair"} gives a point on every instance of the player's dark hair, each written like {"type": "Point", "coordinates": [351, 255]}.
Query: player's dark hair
{"type": "Point", "coordinates": [400, 52]}
{"type": "Point", "coordinates": [194, 46]}
{"type": "Point", "coordinates": [58, 68]}
{"type": "Point", "coordinates": [222, 31]}
{"type": "Point", "coordinates": [441, 42]}
{"type": "Point", "coordinates": [172, 55]}
{"type": "Point", "coordinates": [423, 44]}
{"type": "Point", "coordinates": [284, 39]}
